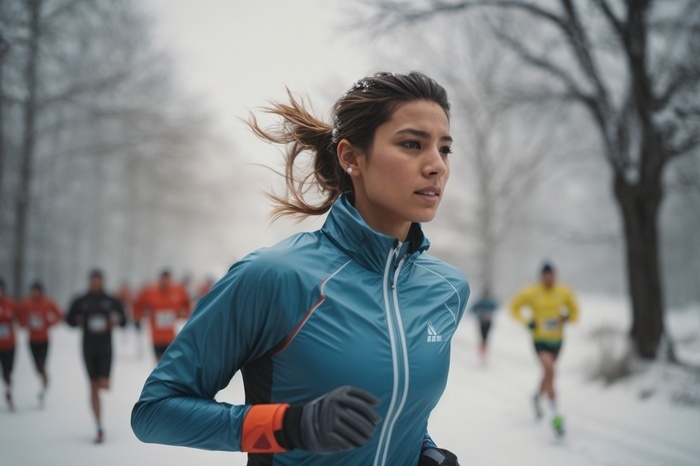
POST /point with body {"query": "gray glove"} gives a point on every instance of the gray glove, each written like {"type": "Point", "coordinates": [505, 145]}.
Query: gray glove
{"type": "Point", "coordinates": [341, 420]}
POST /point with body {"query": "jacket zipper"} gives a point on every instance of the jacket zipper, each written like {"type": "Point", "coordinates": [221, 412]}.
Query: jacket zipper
{"type": "Point", "coordinates": [399, 353]}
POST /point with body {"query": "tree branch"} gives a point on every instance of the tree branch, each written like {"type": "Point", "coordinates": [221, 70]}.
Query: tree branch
{"type": "Point", "coordinates": [682, 75]}
{"type": "Point", "coordinates": [81, 88]}
{"type": "Point", "coordinates": [616, 24]}
{"type": "Point", "coordinates": [581, 47]}
{"type": "Point", "coordinates": [572, 89]}
{"type": "Point", "coordinates": [61, 9]}
{"type": "Point", "coordinates": [405, 14]}
{"type": "Point", "coordinates": [685, 146]}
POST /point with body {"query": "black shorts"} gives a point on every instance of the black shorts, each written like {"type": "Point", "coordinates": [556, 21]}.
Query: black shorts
{"type": "Point", "coordinates": [7, 361]}
{"type": "Point", "coordinates": [548, 347]}
{"type": "Point", "coordinates": [98, 362]}
{"type": "Point", "coordinates": [160, 349]}
{"type": "Point", "coordinates": [39, 353]}
{"type": "Point", "coordinates": [484, 327]}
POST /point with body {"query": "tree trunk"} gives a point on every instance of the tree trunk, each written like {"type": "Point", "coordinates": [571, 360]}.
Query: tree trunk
{"type": "Point", "coordinates": [2, 126]}
{"type": "Point", "coordinates": [27, 151]}
{"type": "Point", "coordinates": [639, 206]}
{"type": "Point", "coordinates": [4, 48]}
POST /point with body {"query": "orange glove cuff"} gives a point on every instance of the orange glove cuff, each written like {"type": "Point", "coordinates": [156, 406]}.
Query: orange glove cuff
{"type": "Point", "coordinates": [259, 426]}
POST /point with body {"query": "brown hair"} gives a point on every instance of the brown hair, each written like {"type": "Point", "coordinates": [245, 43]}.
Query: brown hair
{"type": "Point", "coordinates": [356, 116]}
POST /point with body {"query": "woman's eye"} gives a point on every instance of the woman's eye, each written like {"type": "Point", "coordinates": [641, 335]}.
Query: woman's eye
{"type": "Point", "coordinates": [447, 150]}
{"type": "Point", "coordinates": [412, 144]}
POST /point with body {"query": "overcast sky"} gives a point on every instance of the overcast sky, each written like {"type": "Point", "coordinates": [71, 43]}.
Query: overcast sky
{"type": "Point", "coordinates": [238, 54]}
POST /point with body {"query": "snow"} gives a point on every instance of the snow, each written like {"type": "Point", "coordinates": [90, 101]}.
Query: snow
{"type": "Point", "coordinates": [485, 414]}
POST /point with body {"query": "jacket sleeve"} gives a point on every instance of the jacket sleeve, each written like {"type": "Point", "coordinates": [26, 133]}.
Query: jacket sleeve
{"type": "Point", "coordinates": [73, 312]}
{"type": "Point", "coordinates": [234, 324]}
{"type": "Point", "coordinates": [119, 308]}
{"type": "Point", "coordinates": [572, 306]}
{"type": "Point", "coordinates": [518, 302]}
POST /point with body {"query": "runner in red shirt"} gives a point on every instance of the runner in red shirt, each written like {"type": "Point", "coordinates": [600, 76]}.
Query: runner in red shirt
{"type": "Point", "coordinates": [8, 318]}
{"type": "Point", "coordinates": [38, 313]}
{"type": "Point", "coordinates": [164, 302]}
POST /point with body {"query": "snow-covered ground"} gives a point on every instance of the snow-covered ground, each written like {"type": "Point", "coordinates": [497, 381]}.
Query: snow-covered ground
{"type": "Point", "coordinates": [484, 417]}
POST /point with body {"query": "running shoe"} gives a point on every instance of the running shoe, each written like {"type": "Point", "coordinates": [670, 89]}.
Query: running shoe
{"type": "Point", "coordinates": [10, 404]}
{"type": "Point", "coordinates": [100, 438]}
{"type": "Point", "coordinates": [42, 397]}
{"type": "Point", "coordinates": [558, 424]}
{"type": "Point", "coordinates": [538, 406]}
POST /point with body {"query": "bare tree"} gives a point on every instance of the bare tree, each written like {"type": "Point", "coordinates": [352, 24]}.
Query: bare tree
{"type": "Point", "coordinates": [633, 68]}
{"type": "Point", "coordinates": [503, 165]}
{"type": "Point", "coordinates": [102, 120]}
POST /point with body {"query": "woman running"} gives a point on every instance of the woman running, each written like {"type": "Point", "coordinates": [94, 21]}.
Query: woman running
{"type": "Point", "coordinates": [39, 313]}
{"type": "Point", "coordinates": [343, 334]}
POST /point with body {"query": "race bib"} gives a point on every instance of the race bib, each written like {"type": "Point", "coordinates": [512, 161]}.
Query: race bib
{"type": "Point", "coordinates": [5, 331]}
{"type": "Point", "coordinates": [97, 323]}
{"type": "Point", "coordinates": [552, 324]}
{"type": "Point", "coordinates": [36, 322]}
{"type": "Point", "coordinates": [165, 319]}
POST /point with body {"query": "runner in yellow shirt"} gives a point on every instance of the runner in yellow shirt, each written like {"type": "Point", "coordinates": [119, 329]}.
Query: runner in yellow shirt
{"type": "Point", "coordinates": [550, 306]}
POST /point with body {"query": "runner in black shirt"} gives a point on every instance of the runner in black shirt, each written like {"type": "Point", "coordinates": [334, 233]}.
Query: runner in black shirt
{"type": "Point", "coordinates": [96, 312]}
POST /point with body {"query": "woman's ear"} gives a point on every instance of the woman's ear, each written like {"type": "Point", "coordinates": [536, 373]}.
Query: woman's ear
{"type": "Point", "coordinates": [347, 156]}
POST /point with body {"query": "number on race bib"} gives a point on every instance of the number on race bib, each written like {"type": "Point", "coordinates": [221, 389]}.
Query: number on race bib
{"type": "Point", "coordinates": [4, 331]}
{"type": "Point", "coordinates": [36, 322]}
{"type": "Point", "coordinates": [551, 324]}
{"type": "Point", "coordinates": [165, 318]}
{"type": "Point", "coordinates": [97, 323]}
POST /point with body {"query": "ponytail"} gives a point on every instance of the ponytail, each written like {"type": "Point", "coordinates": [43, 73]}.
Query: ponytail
{"type": "Point", "coordinates": [300, 131]}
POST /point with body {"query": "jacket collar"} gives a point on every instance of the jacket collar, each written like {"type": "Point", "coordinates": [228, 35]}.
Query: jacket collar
{"type": "Point", "coordinates": [346, 228]}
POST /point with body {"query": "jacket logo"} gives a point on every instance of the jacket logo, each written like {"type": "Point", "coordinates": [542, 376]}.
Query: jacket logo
{"type": "Point", "coordinates": [433, 336]}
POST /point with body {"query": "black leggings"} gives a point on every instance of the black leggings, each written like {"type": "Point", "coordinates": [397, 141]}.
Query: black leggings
{"type": "Point", "coordinates": [484, 327]}
{"type": "Point", "coordinates": [39, 352]}
{"type": "Point", "coordinates": [7, 361]}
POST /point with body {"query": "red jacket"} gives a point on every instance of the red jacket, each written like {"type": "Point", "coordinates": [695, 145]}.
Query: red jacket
{"type": "Point", "coordinates": [8, 317]}
{"type": "Point", "coordinates": [163, 307]}
{"type": "Point", "coordinates": [38, 316]}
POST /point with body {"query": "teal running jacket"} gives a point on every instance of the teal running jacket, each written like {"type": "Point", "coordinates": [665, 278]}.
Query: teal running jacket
{"type": "Point", "coordinates": [343, 305]}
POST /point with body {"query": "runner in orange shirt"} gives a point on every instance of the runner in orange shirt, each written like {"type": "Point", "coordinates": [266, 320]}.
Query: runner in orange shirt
{"type": "Point", "coordinates": [164, 302]}
{"type": "Point", "coordinates": [8, 318]}
{"type": "Point", "coordinates": [38, 313]}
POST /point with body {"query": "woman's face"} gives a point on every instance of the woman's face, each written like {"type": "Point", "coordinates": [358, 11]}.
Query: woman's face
{"type": "Point", "coordinates": [402, 178]}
